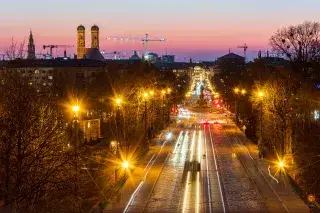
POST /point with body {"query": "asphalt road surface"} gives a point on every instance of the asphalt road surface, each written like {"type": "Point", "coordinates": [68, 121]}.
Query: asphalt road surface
{"type": "Point", "coordinates": [207, 169]}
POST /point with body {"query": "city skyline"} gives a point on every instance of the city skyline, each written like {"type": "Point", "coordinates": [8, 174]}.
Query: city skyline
{"type": "Point", "coordinates": [202, 30]}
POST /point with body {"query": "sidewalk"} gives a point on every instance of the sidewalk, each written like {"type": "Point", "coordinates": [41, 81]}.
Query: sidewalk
{"type": "Point", "coordinates": [283, 188]}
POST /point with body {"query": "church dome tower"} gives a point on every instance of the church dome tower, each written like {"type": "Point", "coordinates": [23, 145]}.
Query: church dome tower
{"type": "Point", "coordinates": [31, 48]}
{"type": "Point", "coordinates": [81, 41]}
{"type": "Point", "coordinates": [95, 37]}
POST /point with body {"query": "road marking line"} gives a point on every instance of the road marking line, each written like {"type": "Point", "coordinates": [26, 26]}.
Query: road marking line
{"type": "Point", "coordinates": [208, 178]}
{"type": "Point", "coordinates": [218, 176]}
{"type": "Point", "coordinates": [186, 193]}
{"type": "Point", "coordinates": [198, 193]}
{"type": "Point", "coordinates": [177, 142]}
{"type": "Point", "coordinates": [149, 162]}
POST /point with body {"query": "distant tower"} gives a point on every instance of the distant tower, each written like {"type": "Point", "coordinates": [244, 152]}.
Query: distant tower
{"type": "Point", "coordinates": [95, 37]}
{"type": "Point", "coordinates": [31, 48]}
{"type": "Point", "coordinates": [81, 42]}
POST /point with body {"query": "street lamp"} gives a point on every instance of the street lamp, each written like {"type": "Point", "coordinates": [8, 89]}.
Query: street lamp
{"type": "Point", "coordinates": [125, 164]}
{"type": "Point", "coordinates": [151, 93]}
{"type": "Point", "coordinates": [75, 127]}
{"type": "Point", "coordinates": [260, 96]}
{"type": "Point", "coordinates": [243, 92]}
{"type": "Point", "coordinates": [145, 95]}
{"type": "Point", "coordinates": [168, 92]}
{"type": "Point", "coordinates": [118, 103]}
{"type": "Point", "coordinates": [163, 92]}
{"type": "Point", "coordinates": [75, 108]}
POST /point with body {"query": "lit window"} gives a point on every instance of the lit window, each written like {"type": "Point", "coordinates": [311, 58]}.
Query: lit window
{"type": "Point", "coordinates": [50, 77]}
{"type": "Point", "coordinates": [36, 71]}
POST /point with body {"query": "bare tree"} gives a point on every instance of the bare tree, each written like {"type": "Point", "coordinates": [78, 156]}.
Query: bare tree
{"type": "Point", "coordinates": [35, 162]}
{"type": "Point", "coordinates": [299, 43]}
{"type": "Point", "coordinates": [16, 50]}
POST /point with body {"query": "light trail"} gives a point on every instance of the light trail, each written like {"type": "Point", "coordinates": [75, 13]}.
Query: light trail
{"type": "Point", "coordinates": [177, 142]}
{"type": "Point", "coordinates": [186, 193]}
{"type": "Point", "coordinates": [132, 197]}
{"type": "Point", "coordinates": [199, 146]}
{"type": "Point", "coordinates": [186, 138]}
{"type": "Point", "coordinates": [198, 193]}
{"type": "Point", "coordinates": [208, 178]}
{"type": "Point", "coordinates": [198, 173]}
{"type": "Point", "coordinates": [148, 163]}
{"type": "Point", "coordinates": [217, 172]}
{"type": "Point", "coordinates": [192, 145]}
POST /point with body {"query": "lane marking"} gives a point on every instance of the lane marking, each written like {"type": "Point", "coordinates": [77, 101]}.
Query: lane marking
{"type": "Point", "coordinates": [186, 193]}
{"type": "Point", "coordinates": [149, 162]}
{"type": "Point", "coordinates": [208, 178]}
{"type": "Point", "coordinates": [198, 193]}
{"type": "Point", "coordinates": [177, 142]}
{"type": "Point", "coordinates": [218, 176]}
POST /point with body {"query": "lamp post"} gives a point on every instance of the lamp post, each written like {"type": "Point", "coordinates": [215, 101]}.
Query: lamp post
{"type": "Point", "coordinates": [75, 109]}
{"type": "Point", "coordinates": [124, 165]}
{"type": "Point", "coordinates": [260, 96]}
{"type": "Point", "coordinates": [151, 93]}
{"type": "Point", "coordinates": [163, 92]}
{"type": "Point", "coordinates": [237, 91]}
{"type": "Point", "coordinates": [168, 92]}
{"type": "Point", "coordinates": [118, 103]}
{"type": "Point", "coordinates": [145, 95]}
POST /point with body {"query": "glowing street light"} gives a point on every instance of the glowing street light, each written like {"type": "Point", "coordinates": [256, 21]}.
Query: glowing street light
{"type": "Point", "coordinates": [118, 101]}
{"type": "Point", "coordinates": [168, 90]}
{"type": "Point", "coordinates": [236, 90]}
{"type": "Point", "coordinates": [243, 91]}
{"type": "Point", "coordinates": [281, 164]}
{"type": "Point", "coordinates": [145, 95]}
{"type": "Point", "coordinates": [75, 108]}
{"type": "Point", "coordinates": [125, 164]}
{"type": "Point", "coordinates": [260, 94]}
{"type": "Point", "coordinates": [151, 92]}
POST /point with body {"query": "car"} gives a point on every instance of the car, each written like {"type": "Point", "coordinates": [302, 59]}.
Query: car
{"type": "Point", "coordinates": [216, 122]}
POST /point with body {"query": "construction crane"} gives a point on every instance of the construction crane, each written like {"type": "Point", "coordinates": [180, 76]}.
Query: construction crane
{"type": "Point", "coordinates": [145, 40]}
{"type": "Point", "coordinates": [58, 46]}
{"type": "Point", "coordinates": [115, 53]}
{"type": "Point", "coordinates": [244, 47]}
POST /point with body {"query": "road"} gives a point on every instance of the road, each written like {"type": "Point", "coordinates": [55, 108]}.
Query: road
{"type": "Point", "coordinates": [205, 168]}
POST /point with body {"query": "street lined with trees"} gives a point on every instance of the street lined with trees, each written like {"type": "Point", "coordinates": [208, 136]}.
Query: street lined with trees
{"type": "Point", "coordinates": [283, 119]}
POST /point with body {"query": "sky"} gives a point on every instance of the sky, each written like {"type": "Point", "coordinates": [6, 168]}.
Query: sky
{"type": "Point", "coordinates": [200, 29]}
